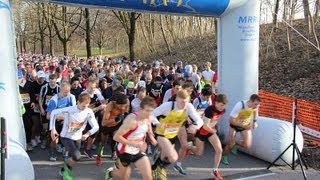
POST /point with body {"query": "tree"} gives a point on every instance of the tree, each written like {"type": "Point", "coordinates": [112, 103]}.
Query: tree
{"type": "Point", "coordinates": [88, 29]}
{"type": "Point", "coordinates": [65, 21]}
{"type": "Point", "coordinates": [275, 14]}
{"type": "Point", "coordinates": [128, 21]}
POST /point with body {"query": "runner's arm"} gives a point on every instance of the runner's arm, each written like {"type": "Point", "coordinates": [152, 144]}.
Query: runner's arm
{"type": "Point", "coordinates": [153, 141]}
{"type": "Point", "coordinates": [191, 112]}
{"type": "Point", "coordinates": [53, 115]}
{"type": "Point", "coordinates": [106, 115]}
{"type": "Point", "coordinates": [206, 125]}
{"type": "Point", "coordinates": [93, 123]}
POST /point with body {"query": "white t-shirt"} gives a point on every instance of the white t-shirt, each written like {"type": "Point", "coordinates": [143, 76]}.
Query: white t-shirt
{"type": "Point", "coordinates": [238, 107]}
{"type": "Point", "coordinates": [165, 108]}
{"type": "Point", "coordinates": [96, 92]}
{"type": "Point", "coordinates": [167, 95]}
{"type": "Point", "coordinates": [208, 75]}
{"type": "Point", "coordinates": [75, 121]}
{"type": "Point", "coordinates": [135, 104]}
{"type": "Point", "coordinates": [196, 81]}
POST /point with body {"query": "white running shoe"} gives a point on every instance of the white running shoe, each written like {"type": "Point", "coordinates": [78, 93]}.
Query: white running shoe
{"type": "Point", "coordinates": [34, 143]}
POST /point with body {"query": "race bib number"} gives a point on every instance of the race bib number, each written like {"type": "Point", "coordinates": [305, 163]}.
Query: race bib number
{"type": "Point", "coordinates": [171, 129]}
{"type": "Point", "coordinates": [47, 99]}
{"type": "Point", "coordinates": [75, 127]}
{"type": "Point", "coordinates": [36, 108]}
{"type": "Point", "coordinates": [25, 98]}
{"type": "Point", "coordinates": [132, 149]}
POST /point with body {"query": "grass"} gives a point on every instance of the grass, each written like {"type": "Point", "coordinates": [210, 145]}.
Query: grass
{"type": "Point", "coordinates": [94, 52]}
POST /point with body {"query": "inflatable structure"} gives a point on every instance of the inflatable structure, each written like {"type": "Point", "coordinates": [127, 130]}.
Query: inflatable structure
{"type": "Point", "coordinates": [238, 58]}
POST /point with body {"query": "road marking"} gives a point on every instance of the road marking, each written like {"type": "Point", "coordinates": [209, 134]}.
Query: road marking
{"type": "Point", "coordinates": [224, 169]}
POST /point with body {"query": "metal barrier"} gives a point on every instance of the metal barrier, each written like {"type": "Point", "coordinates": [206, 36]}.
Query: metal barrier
{"type": "Point", "coordinates": [3, 147]}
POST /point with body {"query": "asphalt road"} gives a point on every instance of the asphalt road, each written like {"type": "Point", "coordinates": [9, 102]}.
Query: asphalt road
{"type": "Point", "coordinates": [241, 166]}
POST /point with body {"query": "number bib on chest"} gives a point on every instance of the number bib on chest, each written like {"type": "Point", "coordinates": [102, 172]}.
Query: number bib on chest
{"type": "Point", "coordinates": [47, 99]}
{"type": "Point", "coordinates": [75, 127]}
{"type": "Point", "coordinates": [25, 98]}
{"type": "Point", "coordinates": [171, 128]}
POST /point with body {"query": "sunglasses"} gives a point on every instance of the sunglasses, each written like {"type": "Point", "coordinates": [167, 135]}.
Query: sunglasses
{"type": "Point", "coordinates": [156, 91]}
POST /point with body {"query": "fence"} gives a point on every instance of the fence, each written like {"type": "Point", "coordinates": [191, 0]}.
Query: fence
{"type": "Point", "coordinates": [280, 107]}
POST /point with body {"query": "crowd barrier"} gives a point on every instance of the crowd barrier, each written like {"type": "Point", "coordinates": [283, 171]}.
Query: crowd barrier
{"type": "Point", "coordinates": [281, 107]}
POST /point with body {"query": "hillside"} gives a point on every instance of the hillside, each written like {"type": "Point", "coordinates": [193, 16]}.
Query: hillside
{"type": "Point", "coordinates": [294, 73]}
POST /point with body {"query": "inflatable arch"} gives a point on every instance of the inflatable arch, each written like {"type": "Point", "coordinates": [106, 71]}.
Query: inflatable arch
{"type": "Point", "coordinates": [238, 58]}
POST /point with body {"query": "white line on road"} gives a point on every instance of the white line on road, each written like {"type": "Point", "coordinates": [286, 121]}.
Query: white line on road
{"type": "Point", "coordinates": [224, 169]}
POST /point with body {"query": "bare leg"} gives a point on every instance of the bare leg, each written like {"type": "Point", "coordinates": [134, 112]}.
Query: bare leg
{"type": "Point", "coordinates": [232, 134]}
{"type": "Point", "coordinates": [144, 167]}
{"type": "Point", "coordinates": [168, 152]}
{"type": "Point", "coordinates": [198, 148]}
{"type": "Point", "coordinates": [216, 144]}
{"type": "Point", "coordinates": [121, 171]}
{"type": "Point", "coordinates": [247, 139]}
{"type": "Point", "coordinates": [183, 139]}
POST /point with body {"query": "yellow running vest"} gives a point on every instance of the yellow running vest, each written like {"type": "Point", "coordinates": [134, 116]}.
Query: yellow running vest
{"type": "Point", "coordinates": [244, 116]}
{"type": "Point", "coordinates": [172, 123]}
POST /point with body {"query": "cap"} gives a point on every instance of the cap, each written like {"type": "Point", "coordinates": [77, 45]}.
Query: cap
{"type": "Point", "coordinates": [130, 85]}
{"type": "Point", "coordinates": [41, 74]}
{"type": "Point", "coordinates": [142, 84]}
{"type": "Point", "coordinates": [116, 83]}
{"type": "Point", "coordinates": [20, 74]}
{"type": "Point", "coordinates": [156, 64]}
{"type": "Point", "coordinates": [63, 62]}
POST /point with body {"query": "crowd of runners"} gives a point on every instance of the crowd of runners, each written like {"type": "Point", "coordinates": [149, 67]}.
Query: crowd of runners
{"type": "Point", "coordinates": [136, 108]}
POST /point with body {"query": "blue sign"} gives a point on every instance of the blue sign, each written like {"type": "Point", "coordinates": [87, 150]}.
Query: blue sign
{"type": "Point", "coordinates": [4, 5]}
{"type": "Point", "coordinates": [184, 7]}
{"type": "Point", "coordinates": [2, 85]}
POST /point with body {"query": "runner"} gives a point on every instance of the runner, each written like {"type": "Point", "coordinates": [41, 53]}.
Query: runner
{"type": "Point", "coordinates": [176, 114]}
{"type": "Point", "coordinates": [114, 114]}
{"type": "Point", "coordinates": [25, 91]}
{"type": "Point", "coordinates": [60, 100]}
{"type": "Point", "coordinates": [240, 121]}
{"type": "Point", "coordinates": [208, 132]}
{"type": "Point", "coordinates": [46, 93]}
{"type": "Point", "coordinates": [131, 137]}
{"type": "Point", "coordinates": [75, 120]}
{"type": "Point", "coordinates": [97, 104]}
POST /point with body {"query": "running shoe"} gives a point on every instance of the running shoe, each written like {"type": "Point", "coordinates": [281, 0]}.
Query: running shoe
{"type": "Point", "coordinates": [225, 160]}
{"type": "Point", "coordinates": [66, 173]}
{"type": "Point", "coordinates": [234, 150]}
{"type": "Point", "coordinates": [34, 143]}
{"type": "Point", "coordinates": [99, 160]}
{"type": "Point", "coordinates": [162, 174]}
{"type": "Point", "coordinates": [180, 169]}
{"type": "Point", "coordinates": [217, 175]}
{"type": "Point", "coordinates": [52, 156]}
{"type": "Point", "coordinates": [88, 153]}
{"type": "Point", "coordinates": [108, 176]}
{"type": "Point", "coordinates": [37, 138]}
